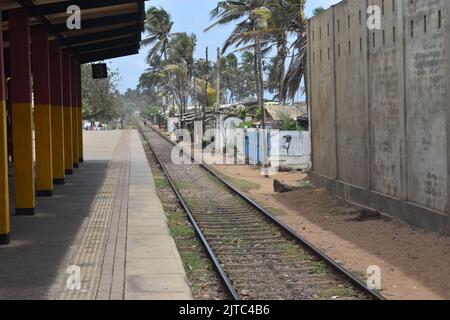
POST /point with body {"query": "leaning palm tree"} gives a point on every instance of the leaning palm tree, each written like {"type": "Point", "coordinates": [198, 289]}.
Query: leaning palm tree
{"type": "Point", "coordinates": [287, 21]}
{"type": "Point", "coordinates": [297, 26]}
{"type": "Point", "coordinates": [158, 25]}
{"type": "Point", "coordinates": [181, 56]}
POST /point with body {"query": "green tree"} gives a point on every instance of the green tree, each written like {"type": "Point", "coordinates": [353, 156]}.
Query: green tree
{"type": "Point", "coordinates": [101, 99]}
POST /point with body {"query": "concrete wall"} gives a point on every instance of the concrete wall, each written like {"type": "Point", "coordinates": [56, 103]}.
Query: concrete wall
{"type": "Point", "coordinates": [324, 116]}
{"type": "Point", "coordinates": [378, 107]}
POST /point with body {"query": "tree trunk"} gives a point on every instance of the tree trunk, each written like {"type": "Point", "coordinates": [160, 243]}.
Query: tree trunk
{"type": "Point", "coordinates": [171, 85]}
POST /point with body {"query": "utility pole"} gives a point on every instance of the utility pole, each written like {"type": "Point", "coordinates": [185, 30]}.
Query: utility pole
{"type": "Point", "coordinates": [261, 82]}
{"type": "Point", "coordinates": [205, 105]}
{"type": "Point", "coordinates": [195, 97]}
{"type": "Point", "coordinates": [218, 67]}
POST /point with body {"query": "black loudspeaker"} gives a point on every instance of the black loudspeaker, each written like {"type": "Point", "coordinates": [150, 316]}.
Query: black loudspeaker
{"type": "Point", "coordinates": [99, 71]}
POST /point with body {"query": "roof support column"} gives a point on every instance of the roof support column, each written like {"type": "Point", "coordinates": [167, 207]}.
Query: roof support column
{"type": "Point", "coordinates": [56, 106]}
{"type": "Point", "coordinates": [75, 125]}
{"type": "Point", "coordinates": [67, 106]}
{"type": "Point", "coordinates": [42, 115]}
{"type": "Point", "coordinates": [4, 190]}
{"type": "Point", "coordinates": [20, 60]}
{"type": "Point", "coordinates": [80, 114]}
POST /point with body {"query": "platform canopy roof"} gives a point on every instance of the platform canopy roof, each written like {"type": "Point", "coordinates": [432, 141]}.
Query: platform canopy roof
{"type": "Point", "coordinates": [109, 28]}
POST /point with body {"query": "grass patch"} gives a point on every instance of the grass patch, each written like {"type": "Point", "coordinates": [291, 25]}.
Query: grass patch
{"type": "Point", "coordinates": [178, 226]}
{"type": "Point", "coordinates": [181, 185]}
{"type": "Point", "coordinates": [293, 250]}
{"type": "Point", "coordinates": [161, 183]}
{"type": "Point", "coordinates": [321, 267]}
{"type": "Point", "coordinates": [193, 262]}
{"type": "Point", "coordinates": [244, 185]}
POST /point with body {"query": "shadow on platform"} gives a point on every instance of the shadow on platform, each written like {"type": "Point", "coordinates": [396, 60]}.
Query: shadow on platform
{"type": "Point", "coordinates": [40, 244]}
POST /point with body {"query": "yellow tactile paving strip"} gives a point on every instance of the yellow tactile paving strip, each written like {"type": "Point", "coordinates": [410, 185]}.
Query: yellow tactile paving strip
{"type": "Point", "coordinates": [91, 253]}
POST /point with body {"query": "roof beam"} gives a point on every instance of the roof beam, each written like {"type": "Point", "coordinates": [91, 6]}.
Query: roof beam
{"type": "Point", "coordinates": [91, 23]}
{"type": "Point", "coordinates": [105, 45]}
{"type": "Point", "coordinates": [37, 10]}
{"type": "Point", "coordinates": [98, 22]}
{"type": "Point", "coordinates": [96, 36]}
{"type": "Point", "coordinates": [107, 54]}
{"type": "Point", "coordinates": [61, 7]}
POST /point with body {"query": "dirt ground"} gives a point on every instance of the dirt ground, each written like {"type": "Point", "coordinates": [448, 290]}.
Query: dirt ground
{"type": "Point", "coordinates": [414, 264]}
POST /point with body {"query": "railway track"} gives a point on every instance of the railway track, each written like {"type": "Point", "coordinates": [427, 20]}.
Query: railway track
{"type": "Point", "coordinates": [255, 255]}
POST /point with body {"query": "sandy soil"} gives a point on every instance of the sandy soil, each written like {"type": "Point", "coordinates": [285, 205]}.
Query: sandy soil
{"type": "Point", "coordinates": [414, 264]}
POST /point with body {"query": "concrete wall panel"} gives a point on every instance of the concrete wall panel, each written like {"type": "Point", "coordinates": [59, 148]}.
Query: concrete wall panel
{"type": "Point", "coordinates": [351, 102]}
{"type": "Point", "coordinates": [321, 41]}
{"type": "Point", "coordinates": [384, 79]}
{"type": "Point", "coordinates": [426, 102]}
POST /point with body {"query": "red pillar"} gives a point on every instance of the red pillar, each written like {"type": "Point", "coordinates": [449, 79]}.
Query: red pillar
{"type": "Point", "coordinates": [67, 104]}
{"type": "Point", "coordinates": [42, 115]}
{"type": "Point", "coordinates": [20, 61]}
{"type": "Point", "coordinates": [56, 102]}
{"type": "Point", "coordinates": [4, 190]}
{"type": "Point", "coordinates": [75, 124]}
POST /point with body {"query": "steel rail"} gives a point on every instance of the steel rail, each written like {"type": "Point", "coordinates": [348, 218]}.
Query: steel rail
{"type": "Point", "coordinates": [223, 276]}
{"type": "Point", "coordinates": [286, 229]}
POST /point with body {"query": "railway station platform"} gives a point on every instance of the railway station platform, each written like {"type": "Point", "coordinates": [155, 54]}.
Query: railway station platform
{"type": "Point", "coordinates": [102, 236]}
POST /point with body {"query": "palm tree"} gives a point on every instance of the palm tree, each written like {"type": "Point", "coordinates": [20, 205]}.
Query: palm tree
{"type": "Point", "coordinates": [252, 17]}
{"type": "Point", "coordinates": [297, 26]}
{"type": "Point", "coordinates": [158, 25]}
{"type": "Point", "coordinates": [269, 23]}
{"type": "Point", "coordinates": [181, 57]}
{"type": "Point", "coordinates": [287, 20]}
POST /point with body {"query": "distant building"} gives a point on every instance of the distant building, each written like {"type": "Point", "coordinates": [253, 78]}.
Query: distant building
{"type": "Point", "coordinates": [276, 114]}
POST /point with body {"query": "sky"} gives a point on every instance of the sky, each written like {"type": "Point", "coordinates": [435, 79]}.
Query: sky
{"type": "Point", "coordinates": [191, 16]}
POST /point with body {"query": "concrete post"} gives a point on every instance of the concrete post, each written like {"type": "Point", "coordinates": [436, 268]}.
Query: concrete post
{"type": "Point", "coordinates": [75, 117]}
{"type": "Point", "coordinates": [80, 115]}
{"type": "Point", "coordinates": [42, 113]}
{"type": "Point", "coordinates": [22, 111]}
{"type": "Point", "coordinates": [4, 189]}
{"type": "Point", "coordinates": [67, 107]}
{"type": "Point", "coordinates": [57, 114]}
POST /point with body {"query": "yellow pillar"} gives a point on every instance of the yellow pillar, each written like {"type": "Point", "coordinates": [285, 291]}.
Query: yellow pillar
{"type": "Point", "coordinates": [75, 135]}
{"type": "Point", "coordinates": [68, 146]}
{"type": "Point", "coordinates": [21, 111]}
{"type": "Point", "coordinates": [57, 113]}
{"type": "Point", "coordinates": [80, 133]}
{"type": "Point", "coordinates": [4, 189]}
{"type": "Point", "coordinates": [42, 113]}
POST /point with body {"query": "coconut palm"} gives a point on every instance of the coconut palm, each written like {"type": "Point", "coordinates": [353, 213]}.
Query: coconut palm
{"type": "Point", "coordinates": [181, 57]}
{"type": "Point", "coordinates": [269, 23]}
{"type": "Point", "coordinates": [287, 20]}
{"type": "Point", "coordinates": [251, 16]}
{"type": "Point", "coordinates": [158, 25]}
